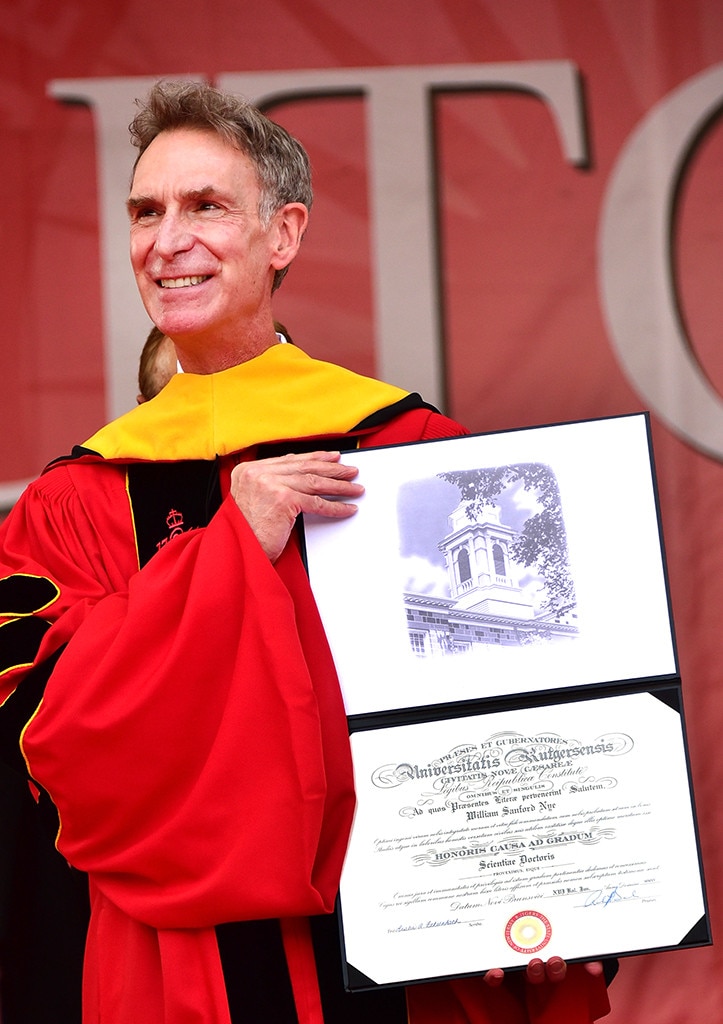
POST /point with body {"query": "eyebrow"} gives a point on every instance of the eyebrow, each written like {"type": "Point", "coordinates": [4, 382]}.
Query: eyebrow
{"type": "Point", "coordinates": [136, 202]}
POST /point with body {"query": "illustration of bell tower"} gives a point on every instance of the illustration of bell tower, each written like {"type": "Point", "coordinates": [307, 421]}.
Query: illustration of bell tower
{"type": "Point", "coordinates": [482, 574]}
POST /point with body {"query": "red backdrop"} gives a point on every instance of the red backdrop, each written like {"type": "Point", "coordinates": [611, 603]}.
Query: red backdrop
{"type": "Point", "coordinates": [527, 336]}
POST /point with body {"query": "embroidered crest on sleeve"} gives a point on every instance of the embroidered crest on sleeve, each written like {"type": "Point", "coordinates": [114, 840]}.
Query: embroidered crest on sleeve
{"type": "Point", "coordinates": [174, 522]}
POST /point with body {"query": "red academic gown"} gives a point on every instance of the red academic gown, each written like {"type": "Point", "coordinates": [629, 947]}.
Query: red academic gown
{"type": "Point", "coordinates": [191, 732]}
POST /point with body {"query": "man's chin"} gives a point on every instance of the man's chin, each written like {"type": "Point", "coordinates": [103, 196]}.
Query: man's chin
{"type": "Point", "coordinates": [177, 325]}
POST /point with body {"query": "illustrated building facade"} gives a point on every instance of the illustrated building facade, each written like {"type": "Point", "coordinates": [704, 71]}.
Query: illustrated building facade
{"type": "Point", "coordinates": [487, 605]}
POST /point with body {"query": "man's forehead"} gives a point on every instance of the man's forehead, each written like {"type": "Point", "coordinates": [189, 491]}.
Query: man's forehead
{"type": "Point", "coordinates": [192, 160]}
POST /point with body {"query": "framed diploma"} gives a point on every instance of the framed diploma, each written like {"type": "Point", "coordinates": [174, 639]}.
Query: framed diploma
{"type": "Point", "coordinates": [499, 616]}
{"type": "Point", "coordinates": [483, 840]}
{"type": "Point", "coordinates": [492, 564]}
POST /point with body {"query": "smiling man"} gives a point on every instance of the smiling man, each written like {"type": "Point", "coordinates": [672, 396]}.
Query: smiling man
{"type": "Point", "coordinates": [204, 250]}
{"type": "Point", "coordinates": [164, 661]}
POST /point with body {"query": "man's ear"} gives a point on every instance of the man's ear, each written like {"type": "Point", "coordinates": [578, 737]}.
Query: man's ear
{"type": "Point", "coordinates": [290, 224]}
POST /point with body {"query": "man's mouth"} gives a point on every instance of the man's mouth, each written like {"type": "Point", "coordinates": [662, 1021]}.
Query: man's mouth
{"type": "Point", "coordinates": [182, 282]}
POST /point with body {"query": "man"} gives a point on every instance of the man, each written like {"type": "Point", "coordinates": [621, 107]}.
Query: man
{"type": "Point", "coordinates": [164, 657]}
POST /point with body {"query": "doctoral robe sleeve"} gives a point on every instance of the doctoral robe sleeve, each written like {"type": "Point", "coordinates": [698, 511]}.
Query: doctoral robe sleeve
{"type": "Point", "coordinates": [192, 734]}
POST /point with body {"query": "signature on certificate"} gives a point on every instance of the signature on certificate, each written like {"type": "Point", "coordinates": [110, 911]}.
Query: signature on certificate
{"type": "Point", "coordinates": [612, 894]}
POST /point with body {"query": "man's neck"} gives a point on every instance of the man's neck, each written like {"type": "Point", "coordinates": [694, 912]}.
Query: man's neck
{"type": "Point", "coordinates": [198, 355]}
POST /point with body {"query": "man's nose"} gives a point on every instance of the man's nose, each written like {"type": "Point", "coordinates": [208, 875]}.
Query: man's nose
{"type": "Point", "coordinates": [173, 235]}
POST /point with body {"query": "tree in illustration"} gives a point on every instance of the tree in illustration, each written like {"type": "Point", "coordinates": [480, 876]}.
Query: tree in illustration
{"type": "Point", "coordinates": [542, 542]}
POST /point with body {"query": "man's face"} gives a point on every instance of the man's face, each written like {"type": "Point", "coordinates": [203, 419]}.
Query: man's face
{"type": "Point", "coordinates": [202, 259]}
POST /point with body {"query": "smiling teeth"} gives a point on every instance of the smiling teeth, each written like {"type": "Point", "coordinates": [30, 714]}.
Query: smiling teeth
{"type": "Point", "coordinates": [181, 282]}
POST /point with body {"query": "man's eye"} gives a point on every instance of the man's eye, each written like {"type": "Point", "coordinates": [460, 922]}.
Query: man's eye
{"type": "Point", "coordinates": [144, 213]}
{"type": "Point", "coordinates": [207, 205]}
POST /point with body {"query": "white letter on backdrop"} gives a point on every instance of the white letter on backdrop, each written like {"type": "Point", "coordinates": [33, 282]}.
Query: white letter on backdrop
{"type": "Point", "coordinates": [637, 284]}
{"type": "Point", "coordinates": [405, 264]}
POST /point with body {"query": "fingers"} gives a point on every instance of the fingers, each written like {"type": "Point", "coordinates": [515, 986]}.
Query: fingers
{"type": "Point", "coordinates": [318, 485]}
{"type": "Point", "coordinates": [328, 464]}
{"type": "Point", "coordinates": [302, 483]}
{"type": "Point", "coordinates": [536, 972]}
{"type": "Point", "coordinates": [554, 970]}
{"type": "Point", "coordinates": [315, 473]}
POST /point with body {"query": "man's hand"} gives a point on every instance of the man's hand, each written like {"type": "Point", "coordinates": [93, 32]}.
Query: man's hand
{"type": "Point", "coordinates": [272, 492]}
{"type": "Point", "coordinates": [538, 971]}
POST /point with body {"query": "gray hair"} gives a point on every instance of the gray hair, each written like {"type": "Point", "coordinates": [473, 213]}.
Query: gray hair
{"type": "Point", "coordinates": [281, 163]}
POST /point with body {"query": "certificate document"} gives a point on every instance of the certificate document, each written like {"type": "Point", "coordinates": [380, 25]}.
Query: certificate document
{"type": "Point", "coordinates": [483, 840]}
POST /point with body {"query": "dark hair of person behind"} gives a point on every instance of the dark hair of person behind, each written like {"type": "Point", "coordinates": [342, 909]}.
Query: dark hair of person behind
{"type": "Point", "coordinates": [147, 377]}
